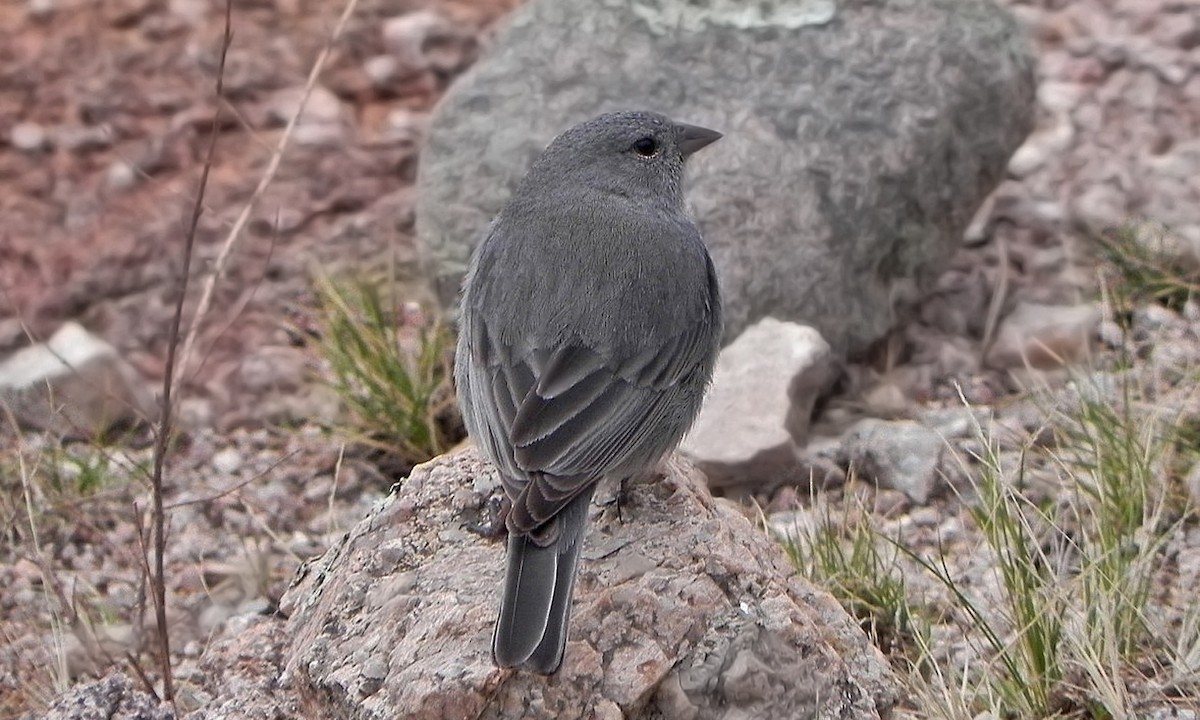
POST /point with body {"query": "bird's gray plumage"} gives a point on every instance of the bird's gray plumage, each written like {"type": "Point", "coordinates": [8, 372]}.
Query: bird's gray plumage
{"type": "Point", "coordinates": [590, 325]}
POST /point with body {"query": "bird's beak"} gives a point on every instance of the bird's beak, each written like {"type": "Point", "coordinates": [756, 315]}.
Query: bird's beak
{"type": "Point", "coordinates": [693, 138]}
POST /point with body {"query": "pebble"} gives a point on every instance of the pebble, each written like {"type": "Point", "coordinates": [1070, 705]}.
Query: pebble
{"type": "Point", "coordinates": [85, 138]}
{"type": "Point", "coordinates": [322, 106]}
{"type": "Point", "coordinates": [28, 137]}
{"type": "Point", "coordinates": [376, 668]}
{"type": "Point", "coordinates": [1100, 207]}
{"type": "Point", "coordinates": [902, 455]}
{"type": "Point", "coordinates": [323, 122]}
{"type": "Point", "coordinates": [1060, 97]}
{"type": "Point", "coordinates": [1042, 145]}
{"type": "Point", "coordinates": [121, 175]}
{"type": "Point", "coordinates": [191, 11]}
{"type": "Point", "coordinates": [926, 516]}
{"type": "Point", "coordinates": [227, 461]}
{"type": "Point", "coordinates": [1172, 713]}
{"type": "Point", "coordinates": [405, 125]}
{"type": "Point", "coordinates": [381, 69]}
{"type": "Point", "coordinates": [795, 526]}
{"type": "Point", "coordinates": [27, 571]}
{"type": "Point", "coordinates": [405, 36]}
{"type": "Point", "coordinates": [1178, 30]}
{"type": "Point", "coordinates": [1044, 336]}
{"type": "Point", "coordinates": [41, 9]}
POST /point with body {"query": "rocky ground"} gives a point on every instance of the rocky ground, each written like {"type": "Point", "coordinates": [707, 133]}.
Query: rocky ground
{"type": "Point", "coordinates": [105, 110]}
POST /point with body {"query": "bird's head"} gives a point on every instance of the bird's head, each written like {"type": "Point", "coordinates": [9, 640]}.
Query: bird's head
{"type": "Point", "coordinates": [636, 154]}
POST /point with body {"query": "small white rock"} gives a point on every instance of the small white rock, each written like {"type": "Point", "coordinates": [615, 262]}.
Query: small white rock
{"type": "Point", "coordinates": [795, 526]}
{"type": "Point", "coordinates": [1041, 146]}
{"type": "Point", "coordinates": [381, 69]}
{"type": "Point", "coordinates": [41, 9]}
{"type": "Point", "coordinates": [192, 12]}
{"type": "Point", "coordinates": [405, 36]}
{"type": "Point", "coordinates": [406, 125]}
{"type": "Point", "coordinates": [75, 384]}
{"type": "Point", "coordinates": [121, 175]}
{"type": "Point", "coordinates": [28, 137]}
{"type": "Point", "coordinates": [323, 122]}
{"type": "Point", "coordinates": [1100, 207]}
{"type": "Point", "coordinates": [227, 461]}
{"type": "Point", "coordinates": [322, 106]}
{"type": "Point", "coordinates": [981, 223]}
{"type": "Point", "coordinates": [1059, 97]}
{"type": "Point", "coordinates": [757, 412]}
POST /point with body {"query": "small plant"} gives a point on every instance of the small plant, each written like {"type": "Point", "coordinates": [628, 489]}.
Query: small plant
{"type": "Point", "coordinates": [847, 559]}
{"type": "Point", "coordinates": [1024, 636]}
{"type": "Point", "coordinates": [1075, 573]}
{"type": "Point", "coordinates": [395, 377]}
{"type": "Point", "coordinates": [1117, 458]}
{"type": "Point", "coordinates": [1140, 254]}
{"type": "Point", "coordinates": [81, 470]}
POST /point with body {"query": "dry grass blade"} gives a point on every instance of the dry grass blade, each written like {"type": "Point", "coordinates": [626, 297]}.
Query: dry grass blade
{"type": "Point", "coordinates": [264, 182]}
{"type": "Point", "coordinates": [1140, 254]}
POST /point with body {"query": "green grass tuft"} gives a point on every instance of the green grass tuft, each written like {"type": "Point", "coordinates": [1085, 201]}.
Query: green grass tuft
{"type": "Point", "coordinates": [1146, 268]}
{"type": "Point", "coordinates": [396, 379]}
{"type": "Point", "coordinates": [848, 558]}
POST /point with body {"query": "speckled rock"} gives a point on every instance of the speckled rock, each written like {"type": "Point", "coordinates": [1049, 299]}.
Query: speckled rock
{"type": "Point", "coordinates": [115, 697]}
{"type": "Point", "coordinates": [683, 609]}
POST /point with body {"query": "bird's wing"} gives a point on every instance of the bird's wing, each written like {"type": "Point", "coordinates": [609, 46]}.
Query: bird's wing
{"type": "Point", "coordinates": [565, 417]}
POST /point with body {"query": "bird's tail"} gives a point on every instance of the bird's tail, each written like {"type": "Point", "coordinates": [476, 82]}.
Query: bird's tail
{"type": "Point", "coordinates": [538, 586]}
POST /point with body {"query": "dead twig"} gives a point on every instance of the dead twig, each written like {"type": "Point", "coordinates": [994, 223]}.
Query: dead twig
{"type": "Point", "coordinates": [158, 514]}
{"type": "Point", "coordinates": [234, 488]}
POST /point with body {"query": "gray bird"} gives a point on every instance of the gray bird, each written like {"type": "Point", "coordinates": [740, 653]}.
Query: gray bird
{"type": "Point", "coordinates": [590, 325]}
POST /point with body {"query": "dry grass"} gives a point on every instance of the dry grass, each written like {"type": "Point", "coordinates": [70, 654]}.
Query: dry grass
{"type": "Point", "coordinates": [46, 492]}
{"type": "Point", "coordinates": [1078, 625]}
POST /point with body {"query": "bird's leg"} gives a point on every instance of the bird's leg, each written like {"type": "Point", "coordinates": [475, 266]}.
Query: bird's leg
{"type": "Point", "coordinates": [619, 499]}
{"type": "Point", "coordinates": [494, 524]}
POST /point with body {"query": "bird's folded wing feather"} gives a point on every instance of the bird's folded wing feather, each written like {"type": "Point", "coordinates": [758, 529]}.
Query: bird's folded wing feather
{"type": "Point", "coordinates": [565, 416]}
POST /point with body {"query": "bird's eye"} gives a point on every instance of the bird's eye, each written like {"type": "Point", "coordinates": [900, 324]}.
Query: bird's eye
{"type": "Point", "coordinates": [646, 147]}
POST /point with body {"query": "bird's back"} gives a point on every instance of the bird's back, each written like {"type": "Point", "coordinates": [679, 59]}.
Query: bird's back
{"type": "Point", "coordinates": [596, 269]}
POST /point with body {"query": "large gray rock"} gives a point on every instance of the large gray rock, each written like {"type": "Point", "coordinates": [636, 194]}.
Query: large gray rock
{"type": "Point", "coordinates": [860, 137]}
{"type": "Point", "coordinates": [683, 610]}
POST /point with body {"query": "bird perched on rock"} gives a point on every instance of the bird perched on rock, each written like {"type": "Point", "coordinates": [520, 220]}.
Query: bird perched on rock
{"type": "Point", "coordinates": [590, 324]}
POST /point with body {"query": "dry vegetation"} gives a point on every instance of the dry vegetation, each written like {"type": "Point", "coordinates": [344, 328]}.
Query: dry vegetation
{"type": "Point", "coordinates": [1051, 585]}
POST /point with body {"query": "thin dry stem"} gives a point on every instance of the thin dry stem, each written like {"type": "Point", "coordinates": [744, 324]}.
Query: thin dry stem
{"type": "Point", "coordinates": [999, 295]}
{"type": "Point", "coordinates": [337, 476]}
{"type": "Point", "coordinates": [158, 578]}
